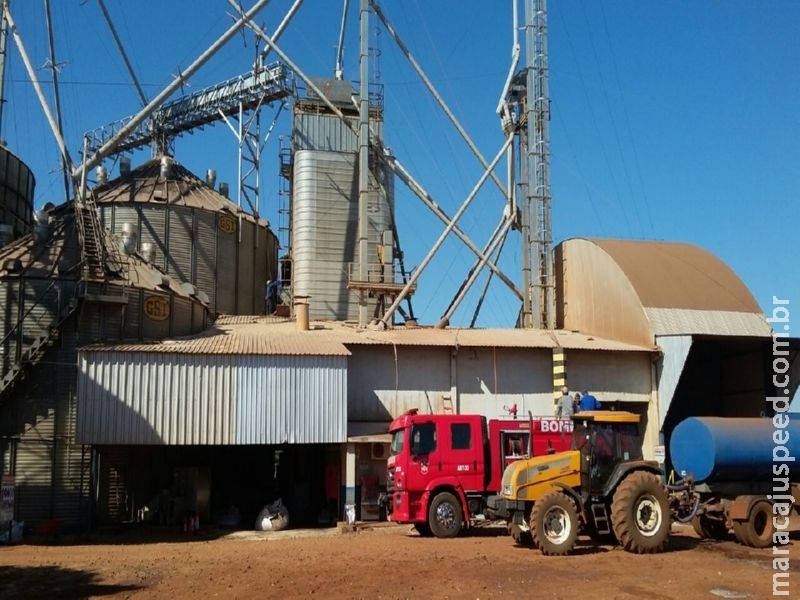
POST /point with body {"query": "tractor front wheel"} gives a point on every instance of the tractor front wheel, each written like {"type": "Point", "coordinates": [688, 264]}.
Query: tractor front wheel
{"type": "Point", "coordinates": [554, 524]}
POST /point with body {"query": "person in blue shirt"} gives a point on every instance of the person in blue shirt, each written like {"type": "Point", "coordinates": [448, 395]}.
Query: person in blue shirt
{"type": "Point", "coordinates": [589, 402]}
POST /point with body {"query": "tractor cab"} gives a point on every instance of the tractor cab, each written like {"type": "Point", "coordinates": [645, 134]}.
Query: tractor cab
{"type": "Point", "coordinates": [605, 439]}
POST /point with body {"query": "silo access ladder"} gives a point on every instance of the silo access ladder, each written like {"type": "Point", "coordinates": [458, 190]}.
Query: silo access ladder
{"type": "Point", "coordinates": [99, 256]}
{"type": "Point", "coordinates": [90, 238]}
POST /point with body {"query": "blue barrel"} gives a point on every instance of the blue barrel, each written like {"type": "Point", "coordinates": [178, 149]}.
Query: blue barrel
{"type": "Point", "coordinates": [723, 449]}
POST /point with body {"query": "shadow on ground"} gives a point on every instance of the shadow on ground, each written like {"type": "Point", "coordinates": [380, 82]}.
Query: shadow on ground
{"type": "Point", "coordinates": [55, 582]}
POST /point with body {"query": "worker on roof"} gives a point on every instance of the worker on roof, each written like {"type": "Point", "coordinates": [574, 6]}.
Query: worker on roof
{"type": "Point", "coordinates": [589, 402]}
{"type": "Point", "coordinates": [564, 407]}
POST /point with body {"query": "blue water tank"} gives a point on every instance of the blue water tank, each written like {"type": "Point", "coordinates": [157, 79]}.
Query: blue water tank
{"type": "Point", "coordinates": [731, 449]}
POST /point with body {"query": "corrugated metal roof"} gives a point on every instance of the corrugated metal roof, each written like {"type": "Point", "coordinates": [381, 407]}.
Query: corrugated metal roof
{"type": "Point", "coordinates": [497, 338]}
{"type": "Point", "coordinates": [674, 321]}
{"type": "Point", "coordinates": [269, 336]}
{"type": "Point", "coordinates": [679, 275]}
{"type": "Point", "coordinates": [59, 255]}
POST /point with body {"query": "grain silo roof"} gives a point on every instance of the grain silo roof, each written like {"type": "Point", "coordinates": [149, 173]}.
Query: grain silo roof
{"type": "Point", "coordinates": [181, 188]}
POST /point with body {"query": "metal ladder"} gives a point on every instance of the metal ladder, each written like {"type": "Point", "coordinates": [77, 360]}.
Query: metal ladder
{"type": "Point", "coordinates": [600, 516]}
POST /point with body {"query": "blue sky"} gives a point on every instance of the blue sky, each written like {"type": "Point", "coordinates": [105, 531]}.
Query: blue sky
{"type": "Point", "coordinates": [671, 121]}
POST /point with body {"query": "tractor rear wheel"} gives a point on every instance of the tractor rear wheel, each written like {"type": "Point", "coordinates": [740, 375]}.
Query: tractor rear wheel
{"type": "Point", "coordinates": [757, 530]}
{"type": "Point", "coordinates": [640, 513]}
{"type": "Point", "coordinates": [445, 515]}
{"type": "Point", "coordinates": [554, 524]}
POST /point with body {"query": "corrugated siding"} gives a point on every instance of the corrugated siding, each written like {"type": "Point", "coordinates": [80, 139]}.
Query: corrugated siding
{"type": "Point", "coordinates": [246, 271]}
{"type": "Point", "coordinates": [325, 231]}
{"type": "Point", "coordinates": [134, 399]}
{"type": "Point", "coordinates": [291, 400]}
{"type": "Point", "coordinates": [152, 229]}
{"type": "Point", "coordinates": [227, 248]}
{"type": "Point", "coordinates": [153, 329]}
{"type": "Point", "coordinates": [675, 350]}
{"type": "Point", "coordinates": [33, 497]}
{"type": "Point", "coordinates": [138, 398]}
{"type": "Point", "coordinates": [16, 193]}
{"type": "Point", "coordinates": [181, 316]}
{"type": "Point", "coordinates": [9, 291]}
{"type": "Point", "coordinates": [180, 244]}
{"type": "Point", "coordinates": [205, 261]}
{"type": "Point", "coordinates": [324, 132]}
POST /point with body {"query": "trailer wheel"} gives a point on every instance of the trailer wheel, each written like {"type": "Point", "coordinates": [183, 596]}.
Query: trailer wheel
{"type": "Point", "coordinates": [757, 530]}
{"type": "Point", "coordinates": [554, 524]}
{"type": "Point", "coordinates": [706, 527]}
{"type": "Point", "coordinates": [640, 514]}
{"type": "Point", "coordinates": [423, 529]}
{"type": "Point", "coordinates": [523, 538]}
{"type": "Point", "coordinates": [445, 516]}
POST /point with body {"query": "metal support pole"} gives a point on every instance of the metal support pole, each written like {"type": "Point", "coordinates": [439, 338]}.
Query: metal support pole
{"type": "Point", "coordinates": [495, 241]}
{"type": "Point", "coordinates": [399, 170]}
{"type": "Point", "coordinates": [444, 234]}
{"type": "Point", "coordinates": [436, 95]}
{"type": "Point", "coordinates": [36, 85]}
{"type": "Point", "coordinates": [363, 164]}
{"type": "Point", "coordinates": [108, 147]}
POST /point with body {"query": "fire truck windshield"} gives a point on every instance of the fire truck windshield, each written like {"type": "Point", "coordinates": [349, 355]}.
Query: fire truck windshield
{"type": "Point", "coordinates": [397, 442]}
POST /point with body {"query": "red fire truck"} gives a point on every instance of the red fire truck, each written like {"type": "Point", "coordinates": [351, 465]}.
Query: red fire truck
{"type": "Point", "coordinates": [443, 468]}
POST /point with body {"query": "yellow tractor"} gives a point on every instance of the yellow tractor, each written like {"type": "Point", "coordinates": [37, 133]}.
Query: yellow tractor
{"type": "Point", "coordinates": [601, 486]}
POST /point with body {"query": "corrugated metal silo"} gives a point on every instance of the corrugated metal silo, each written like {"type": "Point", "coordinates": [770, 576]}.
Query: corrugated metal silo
{"type": "Point", "coordinates": [325, 230]}
{"type": "Point", "coordinates": [16, 193]}
{"type": "Point", "coordinates": [198, 235]}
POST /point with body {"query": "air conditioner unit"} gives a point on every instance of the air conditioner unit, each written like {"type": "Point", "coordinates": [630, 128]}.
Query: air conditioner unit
{"type": "Point", "coordinates": [378, 451]}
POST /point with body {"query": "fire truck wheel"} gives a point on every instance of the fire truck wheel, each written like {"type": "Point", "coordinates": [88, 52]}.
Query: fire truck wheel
{"type": "Point", "coordinates": [445, 516]}
{"type": "Point", "coordinates": [640, 513]}
{"type": "Point", "coordinates": [423, 529]}
{"type": "Point", "coordinates": [757, 530]}
{"type": "Point", "coordinates": [554, 524]}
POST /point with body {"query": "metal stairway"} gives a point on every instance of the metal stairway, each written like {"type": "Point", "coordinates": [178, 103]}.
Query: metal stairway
{"type": "Point", "coordinates": [90, 239]}
{"type": "Point", "coordinates": [31, 353]}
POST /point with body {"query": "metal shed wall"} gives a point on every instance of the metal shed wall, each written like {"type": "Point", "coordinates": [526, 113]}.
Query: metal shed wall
{"type": "Point", "coordinates": [675, 350]}
{"type": "Point", "coordinates": [141, 398]}
{"type": "Point", "coordinates": [384, 381]}
{"type": "Point", "coordinates": [476, 380]}
{"type": "Point", "coordinates": [291, 399]}
{"type": "Point", "coordinates": [490, 379]}
{"type": "Point", "coordinates": [611, 376]}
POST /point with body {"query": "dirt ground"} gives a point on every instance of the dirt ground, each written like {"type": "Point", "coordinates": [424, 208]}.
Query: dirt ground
{"type": "Point", "coordinates": [379, 561]}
